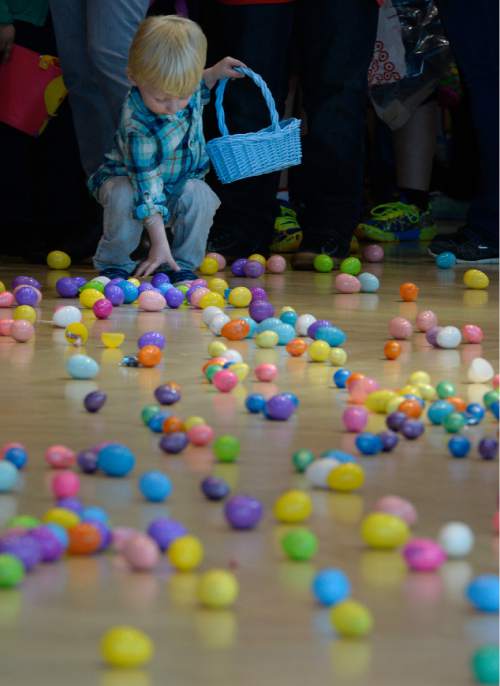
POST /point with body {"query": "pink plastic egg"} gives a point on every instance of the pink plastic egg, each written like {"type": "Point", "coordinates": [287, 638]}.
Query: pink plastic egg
{"type": "Point", "coordinates": [7, 299]}
{"type": "Point", "coordinates": [361, 388]}
{"type": "Point", "coordinates": [102, 308]}
{"type": "Point", "coordinates": [426, 320]}
{"type": "Point", "coordinates": [355, 419]}
{"type": "Point", "coordinates": [221, 261]}
{"type": "Point", "coordinates": [60, 457]}
{"type": "Point", "coordinates": [266, 372]}
{"type": "Point", "coordinates": [22, 330]}
{"type": "Point", "coordinates": [394, 505]}
{"type": "Point", "coordinates": [224, 380]}
{"type": "Point", "coordinates": [120, 536]}
{"type": "Point", "coordinates": [423, 555]}
{"type": "Point", "coordinates": [471, 333]}
{"type": "Point", "coordinates": [496, 381]}
{"type": "Point", "coordinates": [199, 282]}
{"type": "Point", "coordinates": [141, 552]}
{"type": "Point", "coordinates": [65, 485]}
{"type": "Point", "coordinates": [346, 283]}
{"type": "Point", "coordinates": [152, 301]}
{"type": "Point", "coordinates": [199, 435]}
{"type": "Point", "coordinates": [5, 326]}
{"type": "Point", "coordinates": [400, 328]}
{"type": "Point", "coordinates": [373, 253]}
{"type": "Point", "coordinates": [198, 295]}
{"type": "Point", "coordinates": [276, 264]}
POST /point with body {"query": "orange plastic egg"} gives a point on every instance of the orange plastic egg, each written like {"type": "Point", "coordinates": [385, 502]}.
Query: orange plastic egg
{"type": "Point", "coordinates": [392, 350]}
{"type": "Point", "coordinates": [411, 408]}
{"type": "Point", "coordinates": [355, 376]}
{"type": "Point", "coordinates": [408, 292]}
{"type": "Point", "coordinates": [84, 539]}
{"type": "Point", "coordinates": [149, 356]}
{"type": "Point", "coordinates": [296, 347]}
{"type": "Point", "coordinates": [458, 403]}
{"type": "Point", "coordinates": [214, 360]}
{"type": "Point", "coordinates": [172, 425]}
{"type": "Point", "coordinates": [235, 330]}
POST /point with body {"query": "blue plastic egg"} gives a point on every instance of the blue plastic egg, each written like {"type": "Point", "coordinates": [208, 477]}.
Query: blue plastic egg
{"type": "Point", "coordinates": [255, 403]}
{"type": "Point", "coordinates": [130, 292]}
{"type": "Point", "coordinates": [340, 377]}
{"type": "Point", "coordinates": [155, 486]}
{"type": "Point", "coordinates": [9, 476]}
{"type": "Point", "coordinates": [61, 534]}
{"type": "Point", "coordinates": [339, 455]}
{"type": "Point", "coordinates": [369, 282]}
{"type": "Point", "coordinates": [289, 317]}
{"type": "Point", "coordinates": [269, 324]}
{"type": "Point", "coordinates": [334, 336]}
{"type": "Point", "coordinates": [115, 460]}
{"type": "Point", "coordinates": [446, 260]}
{"type": "Point", "coordinates": [459, 446]}
{"type": "Point", "coordinates": [330, 586]}
{"type": "Point", "coordinates": [285, 332]}
{"type": "Point", "coordinates": [17, 456]}
{"type": "Point", "coordinates": [93, 513]}
{"type": "Point", "coordinates": [368, 443]}
{"type": "Point", "coordinates": [439, 410]}
{"type": "Point", "coordinates": [482, 592]}
{"type": "Point", "coordinates": [82, 367]}
{"type": "Point", "coordinates": [156, 421]}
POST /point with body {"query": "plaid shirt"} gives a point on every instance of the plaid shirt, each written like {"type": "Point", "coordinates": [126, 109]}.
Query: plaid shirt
{"type": "Point", "coordinates": [158, 153]}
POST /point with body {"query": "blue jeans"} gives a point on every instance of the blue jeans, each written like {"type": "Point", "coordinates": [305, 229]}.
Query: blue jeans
{"type": "Point", "coordinates": [192, 214]}
{"type": "Point", "coordinates": [93, 39]}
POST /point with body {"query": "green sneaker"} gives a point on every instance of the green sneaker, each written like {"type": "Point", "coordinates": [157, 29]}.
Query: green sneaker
{"type": "Point", "coordinates": [287, 235]}
{"type": "Point", "coordinates": [397, 221]}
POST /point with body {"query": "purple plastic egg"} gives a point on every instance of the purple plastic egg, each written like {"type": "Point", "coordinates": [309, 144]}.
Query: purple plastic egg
{"type": "Point", "coordinates": [423, 555]}
{"type": "Point", "coordinates": [258, 293]}
{"type": "Point", "coordinates": [94, 401]}
{"type": "Point", "coordinates": [51, 548]}
{"type": "Point", "coordinates": [214, 488]}
{"type": "Point", "coordinates": [164, 531]}
{"type": "Point", "coordinates": [26, 549]}
{"type": "Point", "coordinates": [253, 269]}
{"type": "Point", "coordinates": [355, 418]}
{"type": "Point", "coordinates": [87, 461]}
{"type": "Point", "coordinates": [243, 512]}
{"type": "Point", "coordinates": [167, 395]}
{"type": "Point", "coordinates": [26, 281]}
{"type": "Point", "coordinates": [488, 448]}
{"type": "Point", "coordinates": [260, 310]}
{"type": "Point", "coordinates": [174, 298]}
{"type": "Point", "coordinates": [389, 440]}
{"type": "Point", "coordinates": [280, 407]}
{"type": "Point", "coordinates": [106, 534]}
{"type": "Point", "coordinates": [431, 335]}
{"type": "Point", "coordinates": [152, 338]}
{"type": "Point", "coordinates": [412, 429]}
{"type": "Point", "coordinates": [70, 503]}
{"type": "Point", "coordinates": [395, 420]}
{"type": "Point", "coordinates": [146, 286]}
{"type": "Point", "coordinates": [159, 278]}
{"type": "Point", "coordinates": [238, 266]}
{"type": "Point", "coordinates": [27, 295]}
{"type": "Point", "coordinates": [174, 442]}
{"type": "Point", "coordinates": [311, 331]}
{"type": "Point", "coordinates": [114, 294]}
{"type": "Point", "coordinates": [81, 281]}
{"type": "Point", "coordinates": [67, 287]}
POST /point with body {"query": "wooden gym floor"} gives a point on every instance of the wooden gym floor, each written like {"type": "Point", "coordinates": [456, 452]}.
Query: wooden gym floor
{"type": "Point", "coordinates": [275, 635]}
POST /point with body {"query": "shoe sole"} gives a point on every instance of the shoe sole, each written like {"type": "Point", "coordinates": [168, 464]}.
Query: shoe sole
{"type": "Point", "coordinates": [486, 260]}
{"type": "Point", "coordinates": [372, 234]}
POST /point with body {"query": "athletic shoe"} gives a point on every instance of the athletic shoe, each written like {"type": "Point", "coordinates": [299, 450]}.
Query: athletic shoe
{"type": "Point", "coordinates": [467, 247]}
{"type": "Point", "coordinates": [397, 221]}
{"type": "Point", "coordinates": [287, 235]}
{"type": "Point", "coordinates": [115, 273]}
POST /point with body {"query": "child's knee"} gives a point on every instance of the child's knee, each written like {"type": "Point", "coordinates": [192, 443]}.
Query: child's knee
{"type": "Point", "coordinates": [199, 193]}
{"type": "Point", "coordinates": [117, 193]}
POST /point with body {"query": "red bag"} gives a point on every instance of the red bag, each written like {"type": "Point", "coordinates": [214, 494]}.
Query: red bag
{"type": "Point", "coordinates": [31, 90]}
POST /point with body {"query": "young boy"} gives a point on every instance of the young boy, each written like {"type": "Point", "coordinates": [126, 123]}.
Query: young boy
{"type": "Point", "coordinates": [153, 176]}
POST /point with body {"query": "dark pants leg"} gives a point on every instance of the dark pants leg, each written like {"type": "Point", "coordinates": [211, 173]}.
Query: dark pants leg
{"type": "Point", "coordinates": [259, 36]}
{"type": "Point", "coordinates": [473, 33]}
{"type": "Point", "coordinates": [337, 42]}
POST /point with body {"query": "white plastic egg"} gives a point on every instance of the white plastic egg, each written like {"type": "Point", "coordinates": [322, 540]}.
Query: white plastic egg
{"type": "Point", "coordinates": [209, 313]}
{"type": "Point", "coordinates": [480, 371]}
{"type": "Point", "coordinates": [64, 316]}
{"type": "Point", "coordinates": [232, 356]}
{"type": "Point", "coordinates": [317, 472]}
{"type": "Point", "coordinates": [303, 322]}
{"type": "Point", "coordinates": [456, 538]}
{"type": "Point", "coordinates": [218, 322]}
{"type": "Point", "coordinates": [449, 337]}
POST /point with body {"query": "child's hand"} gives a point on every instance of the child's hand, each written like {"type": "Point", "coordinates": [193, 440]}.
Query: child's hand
{"type": "Point", "coordinates": [223, 70]}
{"type": "Point", "coordinates": [158, 254]}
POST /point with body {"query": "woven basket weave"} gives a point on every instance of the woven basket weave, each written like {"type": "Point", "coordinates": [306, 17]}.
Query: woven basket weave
{"type": "Point", "coordinates": [241, 155]}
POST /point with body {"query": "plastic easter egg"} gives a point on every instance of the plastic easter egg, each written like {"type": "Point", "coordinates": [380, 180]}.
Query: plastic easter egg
{"type": "Point", "coordinates": [446, 260]}
{"type": "Point", "coordinates": [267, 339]}
{"type": "Point", "coordinates": [351, 265]}
{"type": "Point", "coordinates": [22, 330]}
{"type": "Point", "coordinates": [351, 619]}
{"type": "Point", "coordinates": [392, 350]}
{"type": "Point", "coordinates": [155, 486]}
{"type": "Point", "coordinates": [209, 266]}
{"type": "Point", "coordinates": [408, 292]}
{"type": "Point", "coordinates": [346, 283]}
{"type": "Point", "coordinates": [102, 308]}
{"type": "Point", "coordinates": [126, 647]}
{"type": "Point", "coordinates": [296, 347]}
{"type": "Point", "coordinates": [476, 279]}
{"type": "Point", "coordinates": [243, 512]}
{"type": "Point", "coordinates": [7, 299]}
{"type": "Point", "coordinates": [480, 371]}
{"type": "Point", "coordinates": [276, 264]}
{"type": "Point", "coordinates": [76, 334]}
{"type": "Point", "coordinates": [373, 253]}
{"type": "Point", "coordinates": [369, 282]}
{"type": "Point", "coordinates": [319, 351]}
{"type": "Point", "coordinates": [449, 337]}
{"type": "Point", "coordinates": [423, 555]}
{"type": "Point", "coordinates": [226, 448]}
{"type": "Point", "coordinates": [292, 507]}
{"type": "Point", "coordinates": [112, 339]}
{"type": "Point", "coordinates": [400, 328]}
{"type": "Point", "coordinates": [265, 372]}
{"type": "Point", "coordinates": [221, 261]}
{"type": "Point", "coordinates": [299, 544]}
{"type": "Point", "coordinates": [141, 552]}
{"type": "Point", "coordinates": [346, 477]}
{"type": "Point", "coordinates": [318, 471]}
{"type": "Point", "coordinates": [115, 460]}
{"type": "Point", "coordinates": [456, 539]}
{"type": "Point", "coordinates": [82, 367]}
{"type": "Point", "coordinates": [11, 571]}
{"type": "Point", "coordinates": [384, 531]}
{"type": "Point", "coordinates": [149, 355]}
{"type": "Point", "coordinates": [485, 664]}
{"type": "Point", "coordinates": [57, 259]}
{"type": "Point", "coordinates": [303, 323]}
{"type": "Point", "coordinates": [218, 322]}
{"type": "Point", "coordinates": [379, 400]}
{"type": "Point", "coordinates": [483, 592]}
{"type": "Point", "coordinates": [240, 297]}
{"type": "Point", "coordinates": [426, 320]}
{"type": "Point", "coordinates": [323, 263]}
{"type": "Point", "coordinates": [25, 312]}
{"type": "Point", "coordinates": [235, 330]}
{"type": "Point", "coordinates": [65, 484]}
{"type": "Point", "coordinates": [64, 316]}
{"type": "Point", "coordinates": [152, 301]}
{"type": "Point", "coordinates": [338, 357]}
{"type": "Point", "coordinates": [355, 419]}
{"type": "Point", "coordinates": [394, 505]}
{"type": "Point", "coordinates": [217, 589]}
{"type": "Point", "coordinates": [9, 476]}
{"type": "Point", "coordinates": [185, 553]}
{"type": "Point", "coordinates": [331, 586]}
{"type": "Point", "coordinates": [472, 333]}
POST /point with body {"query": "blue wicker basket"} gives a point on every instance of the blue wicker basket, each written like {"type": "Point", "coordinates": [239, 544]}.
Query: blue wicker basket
{"type": "Point", "coordinates": [241, 155]}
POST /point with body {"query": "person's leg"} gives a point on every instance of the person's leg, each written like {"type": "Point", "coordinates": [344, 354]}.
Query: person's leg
{"type": "Point", "coordinates": [337, 45]}
{"type": "Point", "coordinates": [259, 36]}
{"type": "Point", "coordinates": [121, 233]}
{"type": "Point", "coordinates": [192, 219]}
{"type": "Point", "coordinates": [473, 34]}
{"type": "Point", "coordinates": [111, 27]}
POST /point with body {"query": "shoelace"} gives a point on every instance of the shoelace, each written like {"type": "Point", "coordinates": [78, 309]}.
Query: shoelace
{"type": "Point", "coordinates": [392, 210]}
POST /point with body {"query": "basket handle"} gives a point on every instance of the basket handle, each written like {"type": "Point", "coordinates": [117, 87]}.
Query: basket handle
{"type": "Point", "coordinates": [259, 81]}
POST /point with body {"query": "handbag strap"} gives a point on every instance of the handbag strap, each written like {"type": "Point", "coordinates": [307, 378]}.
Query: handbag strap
{"type": "Point", "coordinates": [259, 81]}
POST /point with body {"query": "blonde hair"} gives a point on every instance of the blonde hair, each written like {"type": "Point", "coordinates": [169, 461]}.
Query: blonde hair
{"type": "Point", "coordinates": [168, 53]}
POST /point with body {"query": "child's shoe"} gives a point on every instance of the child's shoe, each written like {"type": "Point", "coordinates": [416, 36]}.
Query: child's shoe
{"type": "Point", "coordinates": [397, 221]}
{"type": "Point", "coordinates": [181, 277]}
{"type": "Point", "coordinates": [115, 273]}
{"type": "Point", "coordinates": [287, 235]}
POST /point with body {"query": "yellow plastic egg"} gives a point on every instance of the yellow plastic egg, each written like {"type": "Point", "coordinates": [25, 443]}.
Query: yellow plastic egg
{"type": "Point", "coordinates": [286, 308]}
{"type": "Point", "coordinates": [57, 259]}
{"type": "Point", "coordinates": [351, 619]}
{"type": "Point", "coordinates": [125, 646]}
{"type": "Point", "coordinates": [346, 477]}
{"type": "Point", "coordinates": [338, 357]}
{"type": "Point", "coordinates": [319, 351]}
{"type": "Point", "coordinates": [427, 392]}
{"type": "Point", "coordinates": [212, 299]}
{"type": "Point", "coordinates": [267, 339]}
{"type": "Point", "coordinates": [216, 348]}
{"type": "Point", "coordinates": [476, 279]}
{"type": "Point", "coordinates": [377, 401]}
{"type": "Point", "coordinates": [134, 281]}
{"type": "Point", "coordinates": [209, 266]}
{"type": "Point", "coordinates": [409, 389]}
{"type": "Point", "coordinates": [420, 377]}
{"type": "Point", "coordinates": [76, 333]}
{"type": "Point", "coordinates": [61, 516]}
{"type": "Point", "coordinates": [293, 506]}
{"type": "Point", "coordinates": [258, 258]}
{"type": "Point", "coordinates": [193, 421]}
{"type": "Point", "coordinates": [2, 287]}
{"type": "Point", "coordinates": [393, 405]}
{"type": "Point", "coordinates": [25, 312]}
{"type": "Point", "coordinates": [218, 285]}
{"type": "Point", "coordinates": [240, 297]}
{"type": "Point", "coordinates": [185, 553]}
{"type": "Point", "coordinates": [217, 588]}
{"type": "Point", "coordinates": [89, 296]}
{"type": "Point", "coordinates": [241, 369]}
{"type": "Point", "coordinates": [384, 531]}
{"type": "Point", "coordinates": [112, 339]}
